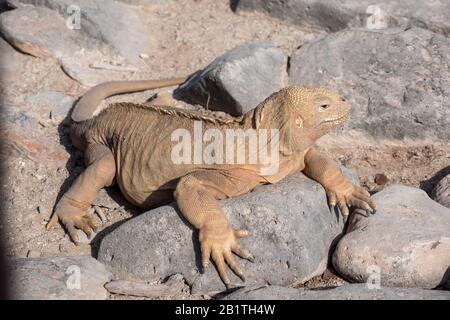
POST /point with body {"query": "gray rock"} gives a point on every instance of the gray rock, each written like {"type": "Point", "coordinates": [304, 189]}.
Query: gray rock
{"type": "Point", "coordinates": [398, 81]}
{"type": "Point", "coordinates": [57, 278]}
{"type": "Point", "coordinates": [292, 232]}
{"type": "Point", "coordinates": [52, 104]}
{"type": "Point", "coordinates": [405, 244]}
{"type": "Point", "coordinates": [86, 60]}
{"type": "Point", "coordinates": [19, 27]}
{"type": "Point", "coordinates": [13, 115]}
{"type": "Point", "coordinates": [12, 63]}
{"type": "Point", "coordinates": [172, 287]}
{"type": "Point", "coordinates": [441, 192]}
{"type": "Point", "coordinates": [337, 15]}
{"type": "Point", "coordinates": [345, 292]}
{"type": "Point", "coordinates": [22, 138]}
{"type": "Point", "coordinates": [114, 24]}
{"type": "Point", "coordinates": [239, 80]}
{"type": "Point", "coordinates": [147, 2]}
{"type": "Point", "coordinates": [80, 68]}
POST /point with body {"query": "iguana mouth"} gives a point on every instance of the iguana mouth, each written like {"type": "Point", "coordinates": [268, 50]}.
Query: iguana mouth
{"type": "Point", "coordinates": [336, 120]}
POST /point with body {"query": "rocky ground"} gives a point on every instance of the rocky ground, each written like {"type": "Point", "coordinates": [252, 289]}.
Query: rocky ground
{"type": "Point", "coordinates": [397, 79]}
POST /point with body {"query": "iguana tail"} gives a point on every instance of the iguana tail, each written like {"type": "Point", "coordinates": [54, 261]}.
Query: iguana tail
{"type": "Point", "coordinates": [87, 105]}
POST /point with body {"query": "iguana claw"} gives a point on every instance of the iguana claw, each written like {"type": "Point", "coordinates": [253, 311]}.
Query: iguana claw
{"type": "Point", "coordinates": [350, 195]}
{"type": "Point", "coordinates": [73, 215]}
{"type": "Point", "coordinates": [219, 242]}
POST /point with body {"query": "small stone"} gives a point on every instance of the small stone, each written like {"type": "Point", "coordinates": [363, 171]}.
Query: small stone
{"type": "Point", "coordinates": [237, 81]}
{"type": "Point", "coordinates": [62, 248]}
{"type": "Point", "coordinates": [381, 179]}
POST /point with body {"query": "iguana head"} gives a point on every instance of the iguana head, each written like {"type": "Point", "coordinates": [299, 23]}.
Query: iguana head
{"type": "Point", "coordinates": [301, 114]}
{"type": "Point", "coordinates": [315, 109]}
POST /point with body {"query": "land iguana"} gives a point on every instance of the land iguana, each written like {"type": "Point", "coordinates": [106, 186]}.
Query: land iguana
{"type": "Point", "coordinates": [130, 145]}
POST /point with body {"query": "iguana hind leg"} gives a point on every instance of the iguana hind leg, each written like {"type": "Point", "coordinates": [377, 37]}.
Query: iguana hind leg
{"type": "Point", "coordinates": [72, 208]}
{"type": "Point", "coordinates": [198, 196]}
{"type": "Point", "coordinates": [340, 190]}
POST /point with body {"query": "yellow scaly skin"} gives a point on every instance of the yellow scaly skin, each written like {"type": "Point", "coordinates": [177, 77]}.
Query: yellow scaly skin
{"type": "Point", "coordinates": [125, 142]}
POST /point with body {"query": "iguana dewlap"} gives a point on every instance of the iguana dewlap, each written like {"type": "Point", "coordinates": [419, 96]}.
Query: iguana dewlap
{"type": "Point", "coordinates": [131, 145]}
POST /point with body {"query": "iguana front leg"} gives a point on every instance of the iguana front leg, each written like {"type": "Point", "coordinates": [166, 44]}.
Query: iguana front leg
{"type": "Point", "coordinates": [197, 195]}
{"type": "Point", "coordinates": [72, 208]}
{"type": "Point", "coordinates": [340, 190]}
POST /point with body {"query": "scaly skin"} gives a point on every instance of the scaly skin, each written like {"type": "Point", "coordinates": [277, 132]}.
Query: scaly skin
{"type": "Point", "coordinates": [129, 144]}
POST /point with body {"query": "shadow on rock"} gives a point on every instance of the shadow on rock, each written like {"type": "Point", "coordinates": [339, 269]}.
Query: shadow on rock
{"type": "Point", "coordinates": [429, 184]}
{"type": "Point", "coordinates": [445, 283]}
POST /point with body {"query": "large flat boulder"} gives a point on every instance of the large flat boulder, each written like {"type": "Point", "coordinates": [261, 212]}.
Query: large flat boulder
{"type": "Point", "coordinates": [397, 81]}
{"type": "Point", "coordinates": [36, 30]}
{"type": "Point", "coordinates": [239, 80]}
{"type": "Point", "coordinates": [114, 24]}
{"type": "Point", "coordinates": [337, 15]}
{"type": "Point", "coordinates": [292, 233]}
{"type": "Point", "coordinates": [345, 292]}
{"type": "Point", "coordinates": [405, 244]}
{"type": "Point", "coordinates": [50, 104]}
{"type": "Point", "coordinates": [60, 278]}
{"type": "Point", "coordinates": [103, 47]}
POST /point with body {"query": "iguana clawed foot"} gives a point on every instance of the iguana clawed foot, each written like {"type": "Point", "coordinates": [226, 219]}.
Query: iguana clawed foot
{"type": "Point", "coordinates": [73, 215]}
{"type": "Point", "coordinates": [350, 195]}
{"type": "Point", "coordinates": [219, 241]}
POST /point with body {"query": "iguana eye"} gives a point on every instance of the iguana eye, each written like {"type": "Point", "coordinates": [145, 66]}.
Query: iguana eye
{"type": "Point", "coordinates": [324, 106]}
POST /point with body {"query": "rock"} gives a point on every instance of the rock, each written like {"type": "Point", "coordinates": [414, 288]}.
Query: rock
{"type": "Point", "coordinates": [22, 139]}
{"type": "Point", "coordinates": [62, 248]}
{"type": "Point", "coordinates": [50, 104]}
{"type": "Point", "coordinates": [405, 244]}
{"type": "Point", "coordinates": [78, 277]}
{"type": "Point", "coordinates": [147, 2]}
{"type": "Point", "coordinates": [12, 63]}
{"type": "Point", "coordinates": [115, 24]}
{"type": "Point", "coordinates": [335, 16]}
{"type": "Point", "coordinates": [381, 179]}
{"type": "Point", "coordinates": [93, 67]}
{"type": "Point", "coordinates": [87, 60]}
{"type": "Point", "coordinates": [35, 30]}
{"type": "Point", "coordinates": [239, 80]}
{"type": "Point", "coordinates": [345, 292]}
{"type": "Point", "coordinates": [173, 286]}
{"type": "Point", "coordinates": [398, 81]}
{"type": "Point", "coordinates": [292, 232]}
{"type": "Point", "coordinates": [3, 6]}
{"type": "Point", "coordinates": [441, 192]}
{"type": "Point", "coordinates": [13, 115]}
